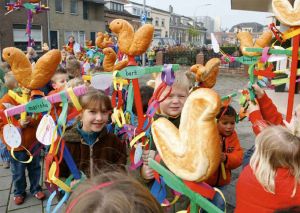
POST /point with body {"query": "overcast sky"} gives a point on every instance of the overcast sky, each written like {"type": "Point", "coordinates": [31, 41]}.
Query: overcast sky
{"type": "Point", "coordinates": [219, 8]}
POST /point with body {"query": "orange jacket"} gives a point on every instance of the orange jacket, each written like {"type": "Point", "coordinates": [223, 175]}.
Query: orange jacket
{"type": "Point", "coordinates": [27, 134]}
{"type": "Point", "coordinates": [267, 114]}
{"type": "Point", "coordinates": [234, 154]}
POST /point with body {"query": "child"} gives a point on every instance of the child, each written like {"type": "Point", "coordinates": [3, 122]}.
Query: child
{"type": "Point", "coordinates": [10, 84]}
{"type": "Point", "coordinates": [232, 153]}
{"type": "Point", "coordinates": [112, 192]}
{"type": "Point", "coordinates": [27, 130]}
{"type": "Point", "coordinates": [267, 114]}
{"type": "Point", "coordinates": [88, 140]}
{"type": "Point", "coordinates": [151, 57]}
{"type": "Point", "coordinates": [59, 80]}
{"type": "Point", "coordinates": [171, 109]}
{"type": "Point", "coordinates": [272, 180]}
{"type": "Point", "coordinates": [73, 68]}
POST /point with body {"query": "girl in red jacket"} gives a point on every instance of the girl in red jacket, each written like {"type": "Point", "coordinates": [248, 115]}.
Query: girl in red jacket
{"type": "Point", "coordinates": [271, 181]}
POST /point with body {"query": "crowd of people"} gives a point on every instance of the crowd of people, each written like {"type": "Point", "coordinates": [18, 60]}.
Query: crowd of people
{"type": "Point", "coordinates": [269, 182]}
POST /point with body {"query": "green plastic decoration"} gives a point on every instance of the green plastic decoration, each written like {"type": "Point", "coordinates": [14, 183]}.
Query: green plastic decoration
{"type": "Point", "coordinates": [38, 105]}
{"type": "Point", "coordinates": [132, 72]}
{"type": "Point", "coordinates": [177, 184]}
{"type": "Point", "coordinates": [247, 60]}
{"type": "Point", "coordinates": [272, 51]}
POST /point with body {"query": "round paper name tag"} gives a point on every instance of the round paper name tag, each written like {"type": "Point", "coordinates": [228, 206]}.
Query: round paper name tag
{"type": "Point", "coordinates": [102, 81]}
{"type": "Point", "coordinates": [138, 153]}
{"type": "Point", "coordinates": [12, 136]}
{"type": "Point", "coordinates": [46, 131]}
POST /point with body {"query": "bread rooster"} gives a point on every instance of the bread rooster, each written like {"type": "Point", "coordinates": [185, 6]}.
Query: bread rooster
{"type": "Point", "coordinates": [246, 40]}
{"type": "Point", "coordinates": [286, 13]}
{"type": "Point", "coordinates": [103, 40]}
{"type": "Point", "coordinates": [110, 60]}
{"type": "Point", "coordinates": [207, 75]}
{"type": "Point", "coordinates": [132, 43]}
{"type": "Point", "coordinates": [24, 73]}
{"type": "Point", "coordinates": [193, 151]}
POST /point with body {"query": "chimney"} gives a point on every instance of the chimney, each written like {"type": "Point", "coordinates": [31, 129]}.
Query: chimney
{"type": "Point", "coordinates": [170, 9]}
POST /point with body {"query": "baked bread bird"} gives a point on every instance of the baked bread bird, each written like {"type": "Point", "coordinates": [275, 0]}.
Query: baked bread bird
{"type": "Point", "coordinates": [109, 61]}
{"type": "Point", "coordinates": [193, 151]}
{"type": "Point", "coordinates": [246, 40]}
{"type": "Point", "coordinates": [28, 77]}
{"type": "Point", "coordinates": [207, 75]}
{"type": "Point", "coordinates": [286, 13]}
{"type": "Point", "coordinates": [103, 40]}
{"type": "Point", "coordinates": [132, 43]}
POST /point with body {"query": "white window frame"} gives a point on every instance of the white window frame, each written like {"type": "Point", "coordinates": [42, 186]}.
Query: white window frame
{"type": "Point", "coordinates": [62, 7]}
{"type": "Point", "coordinates": [76, 10]}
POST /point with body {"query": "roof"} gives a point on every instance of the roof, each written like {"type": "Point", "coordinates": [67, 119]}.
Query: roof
{"type": "Point", "coordinates": [256, 26]}
{"type": "Point", "coordinates": [124, 13]}
{"type": "Point", "coordinates": [153, 8]}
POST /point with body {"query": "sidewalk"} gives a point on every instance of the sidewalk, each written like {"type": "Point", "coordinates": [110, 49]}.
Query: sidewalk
{"type": "Point", "coordinates": [31, 204]}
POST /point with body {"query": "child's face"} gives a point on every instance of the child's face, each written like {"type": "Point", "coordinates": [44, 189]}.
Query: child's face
{"type": "Point", "coordinates": [93, 120]}
{"type": "Point", "coordinates": [226, 125]}
{"type": "Point", "coordinates": [60, 80]}
{"type": "Point", "coordinates": [173, 104]}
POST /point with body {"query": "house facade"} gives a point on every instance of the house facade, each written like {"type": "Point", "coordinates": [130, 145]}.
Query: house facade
{"type": "Point", "coordinates": [80, 18]}
{"type": "Point", "coordinates": [115, 9]}
{"type": "Point", "coordinates": [13, 28]}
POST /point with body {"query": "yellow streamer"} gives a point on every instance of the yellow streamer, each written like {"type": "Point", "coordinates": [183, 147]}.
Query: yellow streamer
{"type": "Point", "coordinates": [137, 138]}
{"type": "Point", "coordinates": [28, 152]}
{"type": "Point", "coordinates": [74, 99]}
{"type": "Point", "coordinates": [57, 181]}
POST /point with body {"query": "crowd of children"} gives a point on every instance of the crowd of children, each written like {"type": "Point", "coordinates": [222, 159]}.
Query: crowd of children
{"type": "Point", "coordinates": [270, 182]}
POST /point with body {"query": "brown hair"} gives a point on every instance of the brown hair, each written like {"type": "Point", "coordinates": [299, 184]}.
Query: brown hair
{"type": "Point", "coordinates": [118, 193]}
{"type": "Point", "coordinates": [73, 68]}
{"type": "Point", "coordinates": [95, 99]}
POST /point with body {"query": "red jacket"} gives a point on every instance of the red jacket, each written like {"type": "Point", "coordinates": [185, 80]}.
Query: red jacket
{"type": "Point", "coordinates": [252, 197]}
{"type": "Point", "coordinates": [267, 114]}
{"type": "Point", "coordinates": [234, 154]}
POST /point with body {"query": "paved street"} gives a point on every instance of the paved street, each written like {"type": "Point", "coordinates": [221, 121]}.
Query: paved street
{"type": "Point", "coordinates": [226, 84]}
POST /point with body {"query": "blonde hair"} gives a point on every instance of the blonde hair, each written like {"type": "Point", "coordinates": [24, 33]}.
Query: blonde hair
{"type": "Point", "coordinates": [181, 80]}
{"type": "Point", "coordinates": [112, 192]}
{"type": "Point", "coordinates": [276, 147]}
{"type": "Point", "coordinates": [75, 82]}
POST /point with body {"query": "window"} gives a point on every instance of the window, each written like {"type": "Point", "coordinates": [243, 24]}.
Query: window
{"type": "Point", "coordinates": [59, 6]}
{"type": "Point", "coordinates": [163, 22]}
{"type": "Point", "coordinates": [166, 34]}
{"type": "Point", "coordinates": [10, 1]}
{"type": "Point", "coordinates": [85, 10]}
{"type": "Point", "coordinates": [156, 21]}
{"type": "Point", "coordinates": [74, 6]}
{"type": "Point", "coordinates": [79, 37]}
{"type": "Point", "coordinates": [93, 37]}
{"type": "Point", "coordinates": [148, 14]}
{"type": "Point", "coordinates": [21, 39]}
{"type": "Point", "coordinates": [134, 11]}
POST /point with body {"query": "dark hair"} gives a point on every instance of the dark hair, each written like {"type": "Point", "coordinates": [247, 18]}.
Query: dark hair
{"type": "Point", "coordinates": [226, 110]}
{"type": "Point", "coordinates": [146, 94]}
{"type": "Point", "coordinates": [113, 192]}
